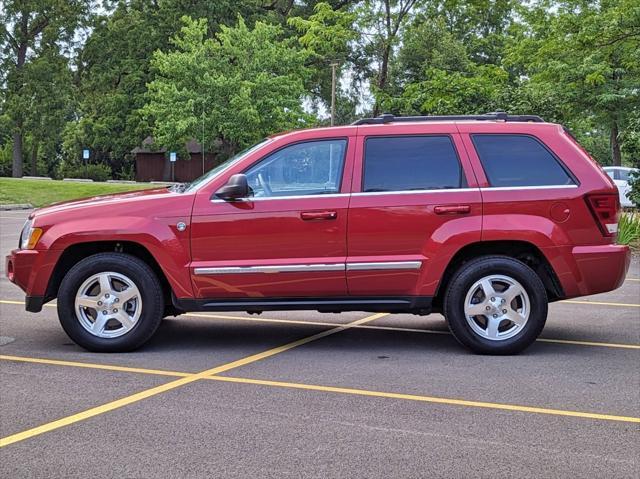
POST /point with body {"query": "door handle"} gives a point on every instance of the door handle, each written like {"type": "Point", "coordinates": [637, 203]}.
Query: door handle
{"type": "Point", "coordinates": [452, 210]}
{"type": "Point", "coordinates": [318, 215]}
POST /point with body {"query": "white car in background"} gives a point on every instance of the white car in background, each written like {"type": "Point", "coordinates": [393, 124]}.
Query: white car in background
{"type": "Point", "coordinates": [621, 176]}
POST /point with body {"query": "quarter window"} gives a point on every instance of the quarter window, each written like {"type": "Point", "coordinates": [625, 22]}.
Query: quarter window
{"type": "Point", "coordinates": [519, 160]}
{"type": "Point", "coordinates": [404, 163]}
{"type": "Point", "coordinates": [309, 168]}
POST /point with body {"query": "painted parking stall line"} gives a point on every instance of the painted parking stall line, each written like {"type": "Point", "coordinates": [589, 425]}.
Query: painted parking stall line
{"type": "Point", "coordinates": [379, 328]}
{"type": "Point", "coordinates": [147, 393]}
{"type": "Point", "coordinates": [301, 386]}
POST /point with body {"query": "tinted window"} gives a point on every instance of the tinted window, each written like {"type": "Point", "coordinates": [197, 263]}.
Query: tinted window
{"type": "Point", "coordinates": [518, 160]}
{"type": "Point", "coordinates": [410, 163]}
{"type": "Point", "coordinates": [309, 168]}
{"type": "Point", "coordinates": [624, 175]}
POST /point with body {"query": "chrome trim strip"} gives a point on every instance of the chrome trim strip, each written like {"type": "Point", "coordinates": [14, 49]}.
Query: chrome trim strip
{"type": "Point", "coordinates": [404, 192]}
{"type": "Point", "coordinates": [294, 268]}
{"type": "Point", "coordinates": [285, 268]}
{"type": "Point", "coordinates": [384, 265]}
{"type": "Point", "coordinates": [413, 192]}
{"type": "Point", "coordinates": [516, 188]}
{"type": "Point", "coordinates": [292, 197]}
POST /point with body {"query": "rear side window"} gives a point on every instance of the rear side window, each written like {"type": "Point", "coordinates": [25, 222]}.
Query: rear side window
{"type": "Point", "coordinates": [519, 160]}
{"type": "Point", "coordinates": [402, 163]}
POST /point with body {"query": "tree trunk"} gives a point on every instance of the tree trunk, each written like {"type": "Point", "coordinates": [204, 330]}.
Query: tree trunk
{"type": "Point", "coordinates": [382, 77]}
{"type": "Point", "coordinates": [34, 158]}
{"type": "Point", "coordinates": [21, 58]}
{"type": "Point", "coordinates": [615, 144]}
{"type": "Point", "coordinates": [16, 170]}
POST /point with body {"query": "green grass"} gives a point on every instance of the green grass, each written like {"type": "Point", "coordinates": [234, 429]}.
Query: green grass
{"type": "Point", "coordinates": [45, 192]}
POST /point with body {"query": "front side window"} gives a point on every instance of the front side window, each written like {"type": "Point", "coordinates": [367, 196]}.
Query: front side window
{"type": "Point", "coordinates": [404, 163]}
{"type": "Point", "coordinates": [519, 160]}
{"type": "Point", "coordinates": [309, 168]}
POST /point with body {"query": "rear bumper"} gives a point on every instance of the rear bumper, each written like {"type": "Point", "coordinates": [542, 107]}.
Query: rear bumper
{"type": "Point", "coordinates": [31, 271]}
{"type": "Point", "coordinates": [586, 270]}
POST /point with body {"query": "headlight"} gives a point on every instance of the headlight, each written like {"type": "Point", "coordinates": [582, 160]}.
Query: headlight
{"type": "Point", "coordinates": [29, 236]}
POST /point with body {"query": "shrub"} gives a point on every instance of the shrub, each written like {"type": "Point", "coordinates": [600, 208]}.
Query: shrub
{"type": "Point", "coordinates": [95, 172]}
{"type": "Point", "coordinates": [634, 194]}
{"type": "Point", "coordinates": [629, 228]}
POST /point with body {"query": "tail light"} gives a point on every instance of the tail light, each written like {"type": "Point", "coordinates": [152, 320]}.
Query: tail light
{"type": "Point", "coordinates": [605, 207]}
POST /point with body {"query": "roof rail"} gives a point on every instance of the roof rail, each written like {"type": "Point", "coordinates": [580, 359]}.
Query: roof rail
{"type": "Point", "coordinates": [495, 115]}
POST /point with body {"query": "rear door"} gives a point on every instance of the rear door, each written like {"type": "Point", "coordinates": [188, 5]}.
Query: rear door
{"type": "Point", "coordinates": [415, 202]}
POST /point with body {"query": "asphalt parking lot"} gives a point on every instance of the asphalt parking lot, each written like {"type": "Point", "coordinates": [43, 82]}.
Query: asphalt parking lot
{"type": "Point", "coordinates": [304, 394]}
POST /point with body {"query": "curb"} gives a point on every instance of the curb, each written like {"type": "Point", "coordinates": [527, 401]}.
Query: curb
{"type": "Point", "coordinates": [16, 206]}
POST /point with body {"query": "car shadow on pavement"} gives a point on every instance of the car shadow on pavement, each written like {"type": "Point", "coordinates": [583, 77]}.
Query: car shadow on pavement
{"type": "Point", "coordinates": [185, 335]}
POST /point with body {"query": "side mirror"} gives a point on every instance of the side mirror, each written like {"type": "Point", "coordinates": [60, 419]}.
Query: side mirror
{"type": "Point", "coordinates": [237, 187]}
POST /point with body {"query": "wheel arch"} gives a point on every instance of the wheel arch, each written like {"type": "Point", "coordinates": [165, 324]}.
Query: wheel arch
{"type": "Point", "coordinates": [523, 251]}
{"type": "Point", "coordinates": [78, 251]}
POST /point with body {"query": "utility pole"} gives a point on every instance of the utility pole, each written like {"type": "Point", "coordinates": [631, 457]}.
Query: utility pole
{"type": "Point", "coordinates": [333, 92]}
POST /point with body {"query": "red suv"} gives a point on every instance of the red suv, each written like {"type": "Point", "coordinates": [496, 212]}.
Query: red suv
{"type": "Point", "coordinates": [485, 219]}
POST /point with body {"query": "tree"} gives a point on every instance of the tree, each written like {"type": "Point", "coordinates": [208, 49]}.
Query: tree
{"type": "Point", "coordinates": [381, 22]}
{"type": "Point", "coordinates": [31, 31]}
{"type": "Point", "coordinates": [585, 53]}
{"type": "Point", "coordinates": [434, 74]}
{"type": "Point", "coordinates": [480, 25]}
{"type": "Point", "coordinates": [114, 68]}
{"type": "Point", "coordinates": [326, 35]}
{"type": "Point", "coordinates": [239, 87]}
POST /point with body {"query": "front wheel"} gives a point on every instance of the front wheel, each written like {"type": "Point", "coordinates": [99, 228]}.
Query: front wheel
{"type": "Point", "coordinates": [110, 302]}
{"type": "Point", "coordinates": [496, 305]}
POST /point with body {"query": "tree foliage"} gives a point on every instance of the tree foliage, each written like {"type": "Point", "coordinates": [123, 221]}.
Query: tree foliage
{"type": "Point", "coordinates": [239, 87]}
{"type": "Point", "coordinates": [77, 74]}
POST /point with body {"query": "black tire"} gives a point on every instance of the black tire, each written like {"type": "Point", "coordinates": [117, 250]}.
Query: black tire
{"type": "Point", "coordinates": [462, 282]}
{"type": "Point", "coordinates": [136, 270]}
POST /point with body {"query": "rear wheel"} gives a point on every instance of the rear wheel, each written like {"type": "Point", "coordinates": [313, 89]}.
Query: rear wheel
{"type": "Point", "coordinates": [496, 305]}
{"type": "Point", "coordinates": [110, 302]}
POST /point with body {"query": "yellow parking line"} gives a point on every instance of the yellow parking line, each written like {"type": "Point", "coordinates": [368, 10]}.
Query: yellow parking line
{"type": "Point", "coordinates": [601, 303]}
{"type": "Point", "coordinates": [589, 343]}
{"type": "Point", "coordinates": [632, 279]}
{"type": "Point", "coordinates": [21, 303]}
{"type": "Point", "coordinates": [413, 330]}
{"type": "Point", "coordinates": [429, 399]}
{"type": "Point", "coordinates": [95, 411]}
{"type": "Point", "coordinates": [282, 384]}
{"type": "Point", "coordinates": [387, 328]}
{"type": "Point", "coordinates": [107, 367]}
{"type": "Point", "coordinates": [311, 323]}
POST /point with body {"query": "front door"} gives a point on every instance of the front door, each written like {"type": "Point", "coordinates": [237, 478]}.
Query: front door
{"type": "Point", "coordinates": [287, 240]}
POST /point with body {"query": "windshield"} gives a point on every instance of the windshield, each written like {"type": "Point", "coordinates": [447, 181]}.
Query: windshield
{"type": "Point", "coordinates": [198, 182]}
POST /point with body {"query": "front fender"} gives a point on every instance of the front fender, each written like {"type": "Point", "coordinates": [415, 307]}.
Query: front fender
{"type": "Point", "coordinates": [159, 236]}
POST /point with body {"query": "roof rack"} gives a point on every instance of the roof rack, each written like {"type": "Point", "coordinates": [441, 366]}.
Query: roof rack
{"type": "Point", "coordinates": [495, 115]}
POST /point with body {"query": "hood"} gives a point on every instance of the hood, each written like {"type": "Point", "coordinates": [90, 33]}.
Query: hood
{"type": "Point", "coordinates": [126, 202]}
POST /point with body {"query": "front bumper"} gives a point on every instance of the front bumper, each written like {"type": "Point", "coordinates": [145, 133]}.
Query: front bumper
{"type": "Point", "coordinates": [587, 270]}
{"type": "Point", "coordinates": [31, 271]}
